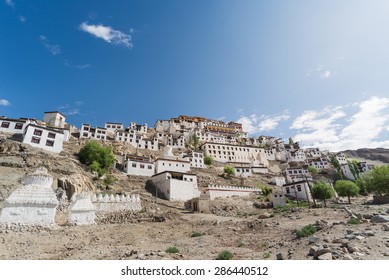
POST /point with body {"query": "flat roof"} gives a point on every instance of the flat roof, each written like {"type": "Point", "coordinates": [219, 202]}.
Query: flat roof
{"type": "Point", "coordinates": [56, 112]}
{"type": "Point", "coordinates": [45, 127]}
{"type": "Point", "coordinates": [174, 172]}
{"type": "Point", "coordinates": [12, 120]}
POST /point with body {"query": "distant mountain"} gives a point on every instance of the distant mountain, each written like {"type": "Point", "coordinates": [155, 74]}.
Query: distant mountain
{"type": "Point", "coordinates": [378, 154]}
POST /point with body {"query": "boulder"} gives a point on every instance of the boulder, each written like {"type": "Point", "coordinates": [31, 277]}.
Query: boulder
{"type": "Point", "coordinates": [326, 256]}
{"type": "Point", "coordinates": [380, 219]}
{"type": "Point", "coordinates": [76, 184]}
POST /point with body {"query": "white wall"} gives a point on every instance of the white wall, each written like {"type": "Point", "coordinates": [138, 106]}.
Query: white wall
{"type": "Point", "coordinates": [298, 190]}
{"type": "Point", "coordinates": [215, 191]}
{"type": "Point", "coordinates": [44, 139]}
{"type": "Point", "coordinates": [147, 170]}
{"type": "Point", "coordinates": [174, 189]}
{"type": "Point", "coordinates": [162, 165]}
{"type": "Point", "coordinates": [12, 124]}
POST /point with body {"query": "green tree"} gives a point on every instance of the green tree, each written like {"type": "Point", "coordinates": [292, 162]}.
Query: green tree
{"type": "Point", "coordinates": [313, 170]}
{"type": "Point", "coordinates": [229, 170]}
{"type": "Point", "coordinates": [322, 190]}
{"type": "Point", "coordinates": [96, 156]}
{"type": "Point", "coordinates": [346, 188]}
{"type": "Point", "coordinates": [291, 142]}
{"type": "Point", "coordinates": [208, 160]}
{"type": "Point", "coordinates": [335, 163]}
{"type": "Point", "coordinates": [361, 183]}
{"type": "Point", "coordinates": [109, 180]}
{"type": "Point", "coordinates": [377, 180]}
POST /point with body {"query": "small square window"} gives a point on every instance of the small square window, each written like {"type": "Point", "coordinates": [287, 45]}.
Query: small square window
{"type": "Point", "coordinates": [133, 165]}
{"type": "Point", "coordinates": [38, 132]}
{"type": "Point", "coordinates": [51, 135]}
{"type": "Point", "coordinates": [35, 140]}
{"type": "Point", "coordinates": [5, 124]}
{"type": "Point", "coordinates": [50, 143]}
{"type": "Point", "coordinates": [18, 126]}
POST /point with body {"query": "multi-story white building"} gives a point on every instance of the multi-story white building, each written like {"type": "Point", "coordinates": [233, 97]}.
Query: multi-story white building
{"type": "Point", "coordinates": [298, 190]}
{"type": "Point", "coordinates": [296, 174]}
{"type": "Point", "coordinates": [43, 137]}
{"type": "Point", "coordinates": [196, 159]}
{"type": "Point", "coordinates": [341, 157]}
{"type": "Point", "coordinates": [312, 152]}
{"type": "Point", "coordinates": [55, 119]}
{"type": "Point", "coordinates": [136, 139]}
{"type": "Point", "coordinates": [234, 153]}
{"type": "Point", "coordinates": [112, 126]}
{"type": "Point", "coordinates": [297, 156]}
{"type": "Point", "coordinates": [176, 186]}
{"type": "Point", "coordinates": [320, 163]}
{"type": "Point", "coordinates": [13, 126]}
{"type": "Point", "coordinates": [138, 165]}
{"type": "Point", "coordinates": [89, 132]}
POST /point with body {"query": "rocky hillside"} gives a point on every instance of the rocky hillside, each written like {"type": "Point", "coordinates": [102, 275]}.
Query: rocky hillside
{"type": "Point", "coordinates": [378, 154]}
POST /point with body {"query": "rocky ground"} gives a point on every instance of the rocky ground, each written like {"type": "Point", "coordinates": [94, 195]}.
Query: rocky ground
{"type": "Point", "coordinates": [238, 226]}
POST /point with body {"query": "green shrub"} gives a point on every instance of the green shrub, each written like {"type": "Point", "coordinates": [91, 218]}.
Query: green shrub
{"type": "Point", "coordinates": [354, 221]}
{"type": "Point", "coordinates": [97, 157]}
{"type": "Point", "coordinates": [208, 160]}
{"type": "Point", "coordinates": [266, 190]}
{"type": "Point", "coordinates": [305, 231]}
{"type": "Point", "coordinates": [266, 255]}
{"type": "Point", "coordinates": [229, 170]}
{"type": "Point", "coordinates": [196, 234]}
{"type": "Point", "coordinates": [172, 250]}
{"type": "Point", "coordinates": [313, 170]}
{"type": "Point", "coordinates": [225, 255]}
{"type": "Point", "coordinates": [240, 243]}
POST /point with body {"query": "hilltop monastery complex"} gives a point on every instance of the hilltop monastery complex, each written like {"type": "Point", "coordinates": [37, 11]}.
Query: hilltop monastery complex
{"type": "Point", "coordinates": [192, 139]}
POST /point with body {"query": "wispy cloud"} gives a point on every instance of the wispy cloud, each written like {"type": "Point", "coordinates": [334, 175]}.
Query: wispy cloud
{"type": "Point", "coordinates": [9, 3]}
{"type": "Point", "coordinates": [108, 34]}
{"type": "Point", "coordinates": [79, 66]}
{"type": "Point", "coordinates": [4, 102]}
{"type": "Point", "coordinates": [321, 71]}
{"type": "Point", "coordinates": [53, 49]}
{"type": "Point", "coordinates": [253, 124]}
{"type": "Point", "coordinates": [22, 19]}
{"type": "Point", "coordinates": [335, 129]}
{"type": "Point", "coordinates": [71, 109]}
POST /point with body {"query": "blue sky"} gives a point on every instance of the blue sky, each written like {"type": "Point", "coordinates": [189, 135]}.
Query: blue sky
{"type": "Point", "coordinates": [314, 70]}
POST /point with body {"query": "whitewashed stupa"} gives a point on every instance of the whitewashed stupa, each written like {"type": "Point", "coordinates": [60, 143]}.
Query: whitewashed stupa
{"type": "Point", "coordinates": [82, 210]}
{"type": "Point", "coordinates": [32, 204]}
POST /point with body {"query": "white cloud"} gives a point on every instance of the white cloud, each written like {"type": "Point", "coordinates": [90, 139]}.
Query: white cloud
{"type": "Point", "coordinates": [72, 112]}
{"type": "Point", "coordinates": [333, 129]}
{"type": "Point", "coordinates": [321, 71]}
{"type": "Point", "coordinates": [53, 49]}
{"type": "Point", "coordinates": [326, 74]}
{"type": "Point", "coordinates": [270, 123]}
{"type": "Point", "coordinates": [254, 124]}
{"type": "Point", "coordinates": [4, 102]}
{"type": "Point", "coordinates": [79, 66]}
{"type": "Point", "coordinates": [108, 34]}
{"type": "Point", "coordinates": [9, 3]}
{"type": "Point", "coordinates": [22, 19]}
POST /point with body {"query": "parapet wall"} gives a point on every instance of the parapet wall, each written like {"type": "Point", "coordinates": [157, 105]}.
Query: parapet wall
{"type": "Point", "coordinates": [216, 191]}
{"type": "Point", "coordinates": [113, 203]}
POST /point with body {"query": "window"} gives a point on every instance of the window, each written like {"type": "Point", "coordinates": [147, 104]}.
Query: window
{"type": "Point", "coordinates": [86, 128]}
{"type": "Point", "coordinates": [5, 124]}
{"type": "Point", "coordinates": [133, 165]}
{"type": "Point", "coordinates": [38, 132]}
{"type": "Point", "coordinates": [18, 126]}
{"type": "Point", "coordinates": [35, 140]}
{"type": "Point", "coordinates": [299, 188]}
{"type": "Point", "coordinates": [50, 143]}
{"type": "Point", "coordinates": [142, 166]}
{"type": "Point", "coordinates": [51, 135]}
{"type": "Point", "coordinates": [287, 190]}
{"type": "Point", "coordinates": [150, 167]}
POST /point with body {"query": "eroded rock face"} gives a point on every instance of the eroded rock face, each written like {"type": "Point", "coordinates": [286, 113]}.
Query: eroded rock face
{"type": "Point", "coordinates": [32, 204]}
{"type": "Point", "coordinates": [75, 184]}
